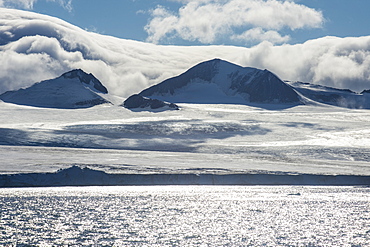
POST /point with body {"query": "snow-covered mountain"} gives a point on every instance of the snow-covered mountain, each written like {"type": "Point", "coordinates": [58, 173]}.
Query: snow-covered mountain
{"type": "Point", "coordinates": [213, 82]}
{"type": "Point", "coordinates": [333, 96]}
{"type": "Point", "coordinates": [74, 89]}
{"type": "Point", "coordinates": [222, 82]}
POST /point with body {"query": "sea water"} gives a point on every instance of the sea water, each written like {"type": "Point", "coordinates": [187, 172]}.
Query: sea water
{"type": "Point", "coordinates": [185, 216]}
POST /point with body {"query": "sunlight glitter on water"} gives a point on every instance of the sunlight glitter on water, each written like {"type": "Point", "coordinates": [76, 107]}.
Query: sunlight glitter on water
{"type": "Point", "coordinates": [186, 216]}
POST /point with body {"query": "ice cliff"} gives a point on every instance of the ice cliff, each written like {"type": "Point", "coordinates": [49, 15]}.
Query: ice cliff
{"type": "Point", "coordinates": [76, 176]}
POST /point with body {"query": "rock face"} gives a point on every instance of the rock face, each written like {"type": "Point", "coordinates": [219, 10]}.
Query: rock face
{"type": "Point", "coordinates": [218, 81]}
{"type": "Point", "coordinates": [88, 79]}
{"type": "Point", "coordinates": [266, 87]}
{"type": "Point", "coordinates": [74, 89]}
{"type": "Point", "coordinates": [137, 101]}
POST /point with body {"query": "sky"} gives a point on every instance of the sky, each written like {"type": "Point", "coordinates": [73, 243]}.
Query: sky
{"type": "Point", "coordinates": [325, 42]}
{"type": "Point", "coordinates": [210, 22]}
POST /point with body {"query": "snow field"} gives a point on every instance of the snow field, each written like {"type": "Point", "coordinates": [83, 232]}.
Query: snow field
{"type": "Point", "coordinates": [199, 137]}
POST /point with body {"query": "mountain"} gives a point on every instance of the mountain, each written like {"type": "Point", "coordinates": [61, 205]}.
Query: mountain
{"type": "Point", "coordinates": [219, 81]}
{"type": "Point", "coordinates": [74, 89]}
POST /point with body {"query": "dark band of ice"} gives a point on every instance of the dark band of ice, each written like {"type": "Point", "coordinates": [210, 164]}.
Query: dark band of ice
{"type": "Point", "coordinates": [76, 176]}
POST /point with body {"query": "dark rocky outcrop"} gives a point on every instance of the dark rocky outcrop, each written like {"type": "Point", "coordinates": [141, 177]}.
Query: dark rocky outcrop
{"type": "Point", "coordinates": [137, 101]}
{"type": "Point", "coordinates": [88, 79]}
{"type": "Point", "coordinates": [268, 88]}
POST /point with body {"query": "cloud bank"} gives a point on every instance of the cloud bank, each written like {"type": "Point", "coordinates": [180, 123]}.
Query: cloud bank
{"type": "Point", "coordinates": [36, 47]}
{"type": "Point", "coordinates": [28, 4]}
{"type": "Point", "coordinates": [245, 20]}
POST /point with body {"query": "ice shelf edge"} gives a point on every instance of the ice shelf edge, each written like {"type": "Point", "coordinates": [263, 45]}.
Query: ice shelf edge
{"type": "Point", "coordinates": [76, 176]}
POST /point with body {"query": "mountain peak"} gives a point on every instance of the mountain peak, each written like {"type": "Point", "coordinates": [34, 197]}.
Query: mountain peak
{"type": "Point", "coordinates": [219, 81]}
{"type": "Point", "coordinates": [88, 79]}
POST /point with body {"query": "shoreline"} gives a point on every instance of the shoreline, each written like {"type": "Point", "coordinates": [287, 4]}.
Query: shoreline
{"type": "Point", "coordinates": [77, 176]}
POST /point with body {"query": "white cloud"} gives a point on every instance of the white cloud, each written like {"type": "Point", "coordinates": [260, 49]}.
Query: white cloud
{"type": "Point", "coordinates": [205, 21]}
{"type": "Point", "coordinates": [66, 4]}
{"type": "Point", "coordinates": [35, 47]}
{"type": "Point", "coordinates": [331, 61]}
{"type": "Point", "coordinates": [258, 35]}
{"type": "Point", "coordinates": [28, 4]}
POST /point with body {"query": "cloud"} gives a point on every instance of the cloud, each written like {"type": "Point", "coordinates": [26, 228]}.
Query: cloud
{"type": "Point", "coordinates": [258, 35]}
{"type": "Point", "coordinates": [208, 20]}
{"type": "Point", "coordinates": [36, 47]}
{"type": "Point", "coordinates": [28, 4]}
{"type": "Point", "coordinates": [331, 61]}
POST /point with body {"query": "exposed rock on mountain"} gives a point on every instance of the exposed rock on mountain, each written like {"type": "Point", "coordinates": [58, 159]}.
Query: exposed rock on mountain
{"type": "Point", "coordinates": [88, 79]}
{"type": "Point", "coordinates": [137, 101]}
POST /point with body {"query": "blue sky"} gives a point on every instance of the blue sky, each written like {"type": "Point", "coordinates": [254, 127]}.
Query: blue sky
{"type": "Point", "coordinates": [144, 20]}
{"type": "Point", "coordinates": [262, 26]}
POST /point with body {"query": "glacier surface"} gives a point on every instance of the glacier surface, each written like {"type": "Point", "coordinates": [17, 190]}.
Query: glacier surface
{"type": "Point", "coordinates": [198, 139]}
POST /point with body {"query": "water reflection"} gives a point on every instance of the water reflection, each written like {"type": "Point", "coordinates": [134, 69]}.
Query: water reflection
{"type": "Point", "coordinates": [186, 216]}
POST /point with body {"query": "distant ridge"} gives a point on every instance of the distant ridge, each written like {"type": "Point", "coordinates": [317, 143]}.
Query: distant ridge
{"type": "Point", "coordinates": [333, 96]}
{"type": "Point", "coordinates": [219, 81]}
{"type": "Point", "coordinates": [74, 89]}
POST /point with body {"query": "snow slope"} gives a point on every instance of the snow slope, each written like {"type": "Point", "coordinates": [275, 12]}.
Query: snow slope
{"type": "Point", "coordinates": [74, 89]}
{"type": "Point", "coordinates": [206, 138]}
{"type": "Point", "coordinates": [218, 81]}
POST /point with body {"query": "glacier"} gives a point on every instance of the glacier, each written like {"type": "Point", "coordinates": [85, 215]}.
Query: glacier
{"type": "Point", "coordinates": [198, 139]}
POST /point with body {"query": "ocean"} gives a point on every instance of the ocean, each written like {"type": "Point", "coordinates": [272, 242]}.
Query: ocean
{"type": "Point", "coordinates": [185, 216]}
